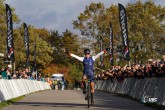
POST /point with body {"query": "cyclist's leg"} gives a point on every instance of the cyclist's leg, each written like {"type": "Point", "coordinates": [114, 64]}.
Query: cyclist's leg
{"type": "Point", "coordinates": [84, 78]}
{"type": "Point", "coordinates": [92, 89]}
{"type": "Point", "coordinates": [92, 84]}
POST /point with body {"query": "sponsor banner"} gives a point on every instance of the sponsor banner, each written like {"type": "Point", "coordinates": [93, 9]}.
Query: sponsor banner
{"type": "Point", "coordinates": [124, 30]}
{"type": "Point", "coordinates": [26, 42]}
{"type": "Point", "coordinates": [9, 40]}
{"type": "Point", "coordinates": [101, 48]}
{"type": "Point", "coordinates": [111, 45]}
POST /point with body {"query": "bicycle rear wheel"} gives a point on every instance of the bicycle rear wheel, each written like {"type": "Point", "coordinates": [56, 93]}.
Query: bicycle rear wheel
{"type": "Point", "coordinates": [88, 94]}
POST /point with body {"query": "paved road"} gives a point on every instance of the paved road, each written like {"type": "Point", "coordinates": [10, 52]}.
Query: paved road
{"type": "Point", "coordinates": [73, 100]}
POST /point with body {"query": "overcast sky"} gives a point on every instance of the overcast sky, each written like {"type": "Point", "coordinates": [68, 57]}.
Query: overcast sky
{"type": "Point", "coordinates": [57, 14]}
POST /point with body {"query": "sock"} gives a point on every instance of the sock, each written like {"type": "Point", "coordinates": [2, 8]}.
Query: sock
{"type": "Point", "coordinates": [91, 95]}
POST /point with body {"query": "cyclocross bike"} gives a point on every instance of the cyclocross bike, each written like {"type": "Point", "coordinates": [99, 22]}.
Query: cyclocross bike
{"type": "Point", "coordinates": [88, 95]}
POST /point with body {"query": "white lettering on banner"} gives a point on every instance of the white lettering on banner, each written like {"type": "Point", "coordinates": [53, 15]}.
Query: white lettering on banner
{"type": "Point", "coordinates": [123, 26]}
{"type": "Point", "coordinates": [110, 40]}
{"type": "Point", "coordinates": [26, 39]}
{"type": "Point", "coordinates": [9, 32]}
{"type": "Point", "coordinates": [110, 51]}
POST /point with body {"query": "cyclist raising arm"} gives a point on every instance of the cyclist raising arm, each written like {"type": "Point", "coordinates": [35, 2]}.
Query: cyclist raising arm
{"type": "Point", "coordinates": [88, 63]}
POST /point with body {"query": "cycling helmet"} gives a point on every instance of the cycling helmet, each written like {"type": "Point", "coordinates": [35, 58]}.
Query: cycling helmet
{"type": "Point", "coordinates": [86, 51]}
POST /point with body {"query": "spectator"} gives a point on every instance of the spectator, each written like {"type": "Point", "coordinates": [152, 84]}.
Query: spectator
{"type": "Point", "coordinates": [18, 74]}
{"type": "Point", "coordinates": [14, 76]}
{"type": "Point", "coordinates": [62, 85]}
{"type": "Point", "coordinates": [8, 71]}
{"type": "Point", "coordinates": [55, 83]}
{"type": "Point", "coordinates": [66, 84]}
{"type": "Point", "coordinates": [3, 73]}
{"type": "Point", "coordinates": [27, 72]}
{"type": "Point", "coordinates": [153, 68]}
{"type": "Point", "coordinates": [59, 85]}
{"type": "Point", "coordinates": [51, 83]}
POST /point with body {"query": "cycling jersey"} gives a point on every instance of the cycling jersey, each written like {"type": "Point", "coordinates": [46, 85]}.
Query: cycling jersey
{"type": "Point", "coordinates": [88, 64]}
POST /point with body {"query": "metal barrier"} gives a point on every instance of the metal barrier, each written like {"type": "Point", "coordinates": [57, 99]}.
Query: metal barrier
{"type": "Point", "coordinates": [137, 88]}
{"type": "Point", "coordinates": [17, 87]}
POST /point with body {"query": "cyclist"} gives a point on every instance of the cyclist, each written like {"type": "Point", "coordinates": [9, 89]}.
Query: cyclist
{"type": "Point", "coordinates": [88, 63]}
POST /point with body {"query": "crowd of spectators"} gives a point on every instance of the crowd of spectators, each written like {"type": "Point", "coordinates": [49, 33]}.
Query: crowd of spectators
{"type": "Point", "coordinates": [6, 73]}
{"type": "Point", "coordinates": [152, 68]}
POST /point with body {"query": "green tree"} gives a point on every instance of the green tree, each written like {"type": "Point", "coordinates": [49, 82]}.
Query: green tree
{"type": "Point", "coordinates": [146, 30]}
{"type": "Point", "coordinates": [146, 37]}
{"type": "Point", "coordinates": [43, 48]}
{"type": "Point", "coordinates": [74, 74]}
{"type": "Point", "coordinates": [66, 40]}
{"type": "Point", "coordinates": [71, 42]}
{"type": "Point", "coordinates": [57, 45]}
{"type": "Point", "coordinates": [90, 21]}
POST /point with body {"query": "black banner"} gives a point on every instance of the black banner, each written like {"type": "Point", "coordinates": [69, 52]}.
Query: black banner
{"type": "Point", "coordinates": [101, 56]}
{"type": "Point", "coordinates": [124, 29]}
{"type": "Point", "coordinates": [26, 42]}
{"type": "Point", "coordinates": [9, 40]}
{"type": "Point", "coordinates": [111, 45]}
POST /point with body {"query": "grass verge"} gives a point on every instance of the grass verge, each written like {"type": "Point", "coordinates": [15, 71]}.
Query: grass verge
{"type": "Point", "coordinates": [8, 102]}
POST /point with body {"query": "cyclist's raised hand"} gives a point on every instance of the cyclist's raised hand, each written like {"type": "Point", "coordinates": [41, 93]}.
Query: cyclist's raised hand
{"type": "Point", "coordinates": [107, 49]}
{"type": "Point", "coordinates": [66, 50]}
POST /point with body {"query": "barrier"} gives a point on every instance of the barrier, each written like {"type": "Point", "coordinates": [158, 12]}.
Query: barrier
{"type": "Point", "coordinates": [137, 88]}
{"type": "Point", "coordinates": [17, 87]}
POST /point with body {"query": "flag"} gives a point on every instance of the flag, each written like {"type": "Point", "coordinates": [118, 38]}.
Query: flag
{"type": "Point", "coordinates": [111, 45]}
{"type": "Point", "coordinates": [101, 56]}
{"type": "Point", "coordinates": [9, 40]}
{"type": "Point", "coordinates": [26, 42]}
{"type": "Point", "coordinates": [124, 30]}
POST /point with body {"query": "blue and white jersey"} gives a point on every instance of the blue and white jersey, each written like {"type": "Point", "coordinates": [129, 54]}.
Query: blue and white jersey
{"type": "Point", "coordinates": [88, 66]}
{"type": "Point", "coordinates": [88, 63]}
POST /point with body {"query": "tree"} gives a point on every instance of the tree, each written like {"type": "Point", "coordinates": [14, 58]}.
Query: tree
{"type": "Point", "coordinates": [89, 22]}
{"type": "Point", "coordinates": [43, 49]}
{"type": "Point", "coordinates": [74, 74]}
{"type": "Point", "coordinates": [146, 30]}
{"type": "Point", "coordinates": [146, 37]}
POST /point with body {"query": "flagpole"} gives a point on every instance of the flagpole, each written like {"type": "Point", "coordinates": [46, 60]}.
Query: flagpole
{"type": "Point", "coordinates": [129, 64]}
{"type": "Point", "coordinates": [14, 67]}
